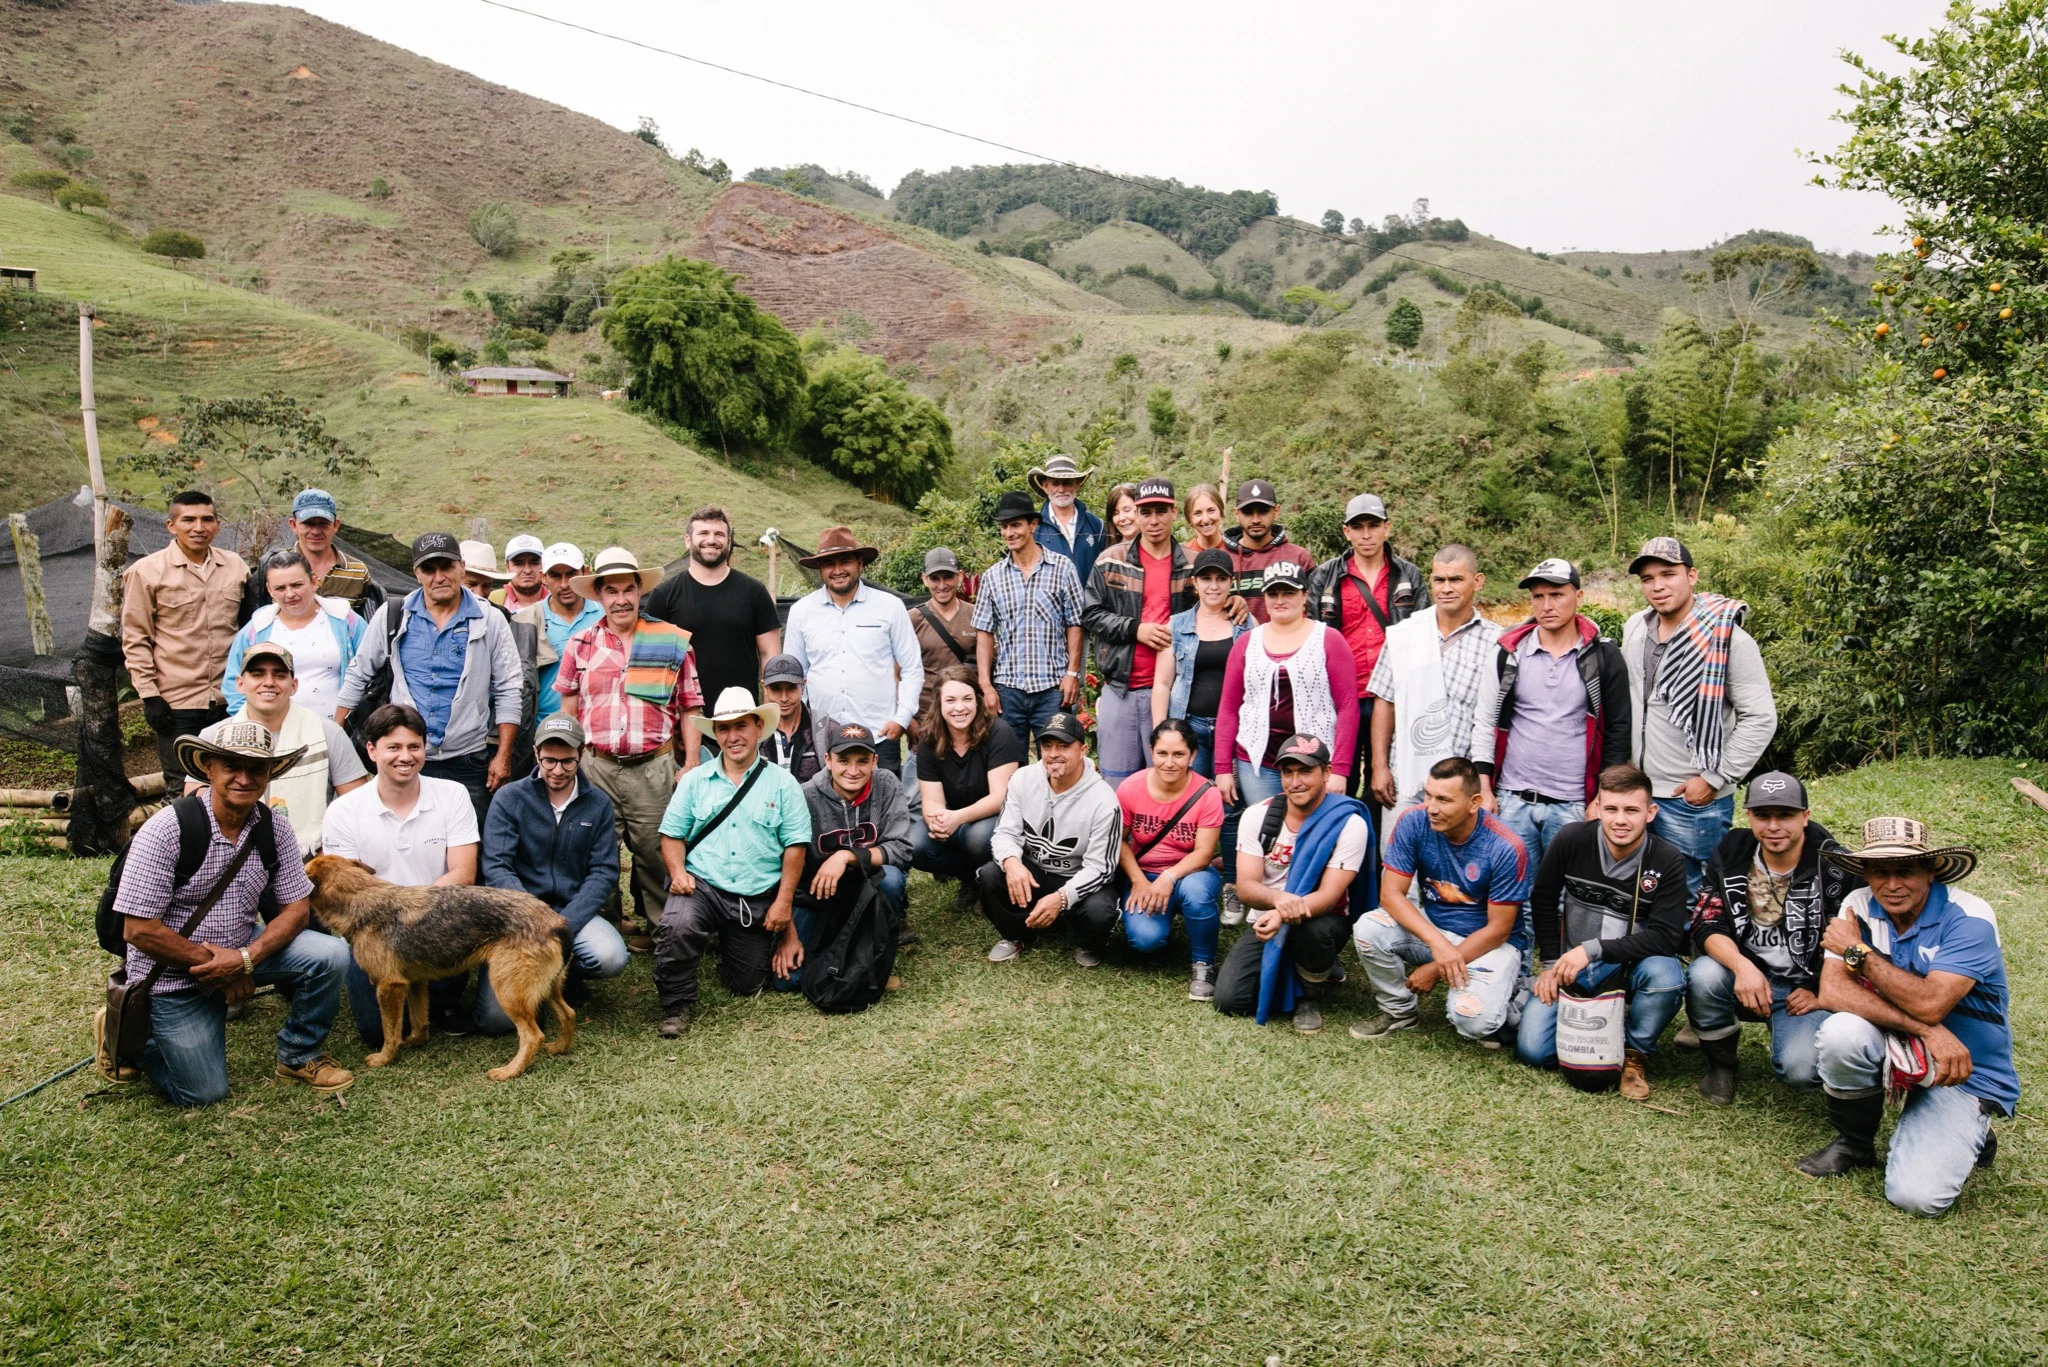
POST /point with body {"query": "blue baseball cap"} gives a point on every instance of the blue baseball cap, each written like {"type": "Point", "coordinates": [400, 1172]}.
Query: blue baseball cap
{"type": "Point", "coordinates": [313, 503]}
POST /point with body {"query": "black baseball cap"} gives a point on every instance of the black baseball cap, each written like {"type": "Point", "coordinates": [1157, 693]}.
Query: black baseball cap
{"type": "Point", "coordinates": [1013, 505]}
{"type": "Point", "coordinates": [850, 735]}
{"type": "Point", "coordinates": [435, 546]}
{"type": "Point", "coordinates": [1216, 558]}
{"type": "Point", "coordinates": [1555, 570]}
{"type": "Point", "coordinates": [1305, 750]}
{"type": "Point", "coordinates": [1256, 493]}
{"type": "Point", "coordinates": [1155, 490]}
{"type": "Point", "coordinates": [1776, 789]}
{"type": "Point", "coordinates": [1063, 726]}
{"type": "Point", "coordinates": [1282, 574]}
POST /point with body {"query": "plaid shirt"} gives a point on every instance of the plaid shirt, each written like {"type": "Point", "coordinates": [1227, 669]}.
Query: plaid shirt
{"type": "Point", "coordinates": [1029, 616]}
{"type": "Point", "coordinates": [1463, 655]}
{"type": "Point", "coordinates": [147, 890]}
{"type": "Point", "coordinates": [593, 668]}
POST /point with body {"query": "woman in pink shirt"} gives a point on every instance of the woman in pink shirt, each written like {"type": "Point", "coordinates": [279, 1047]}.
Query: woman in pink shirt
{"type": "Point", "coordinates": [1290, 674]}
{"type": "Point", "coordinates": [1173, 819]}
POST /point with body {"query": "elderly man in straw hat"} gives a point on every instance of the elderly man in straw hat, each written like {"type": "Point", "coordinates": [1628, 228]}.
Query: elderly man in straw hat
{"type": "Point", "coordinates": [859, 653]}
{"type": "Point", "coordinates": [733, 840]}
{"type": "Point", "coordinates": [1915, 978]}
{"type": "Point", "coordinates": [197, 966]}
{"type": "Point", "coordinates": [1064, 526]}
{"type": "Point", "coordinates": [630, 681]}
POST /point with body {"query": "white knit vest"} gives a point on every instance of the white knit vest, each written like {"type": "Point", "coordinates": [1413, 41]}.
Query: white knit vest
{"type": "Point", "coordinates": [1315, 711]}
{"type": "Point", "coordinates": [300, 793]}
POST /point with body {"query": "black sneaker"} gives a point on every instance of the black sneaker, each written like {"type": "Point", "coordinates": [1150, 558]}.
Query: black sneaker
{"type": "Point", "coordinates": [455, 1022]}
{"type": "Point", "coordinates": [1308, 1017]}
{"type": "Point", "coordinates": [675, 1026]}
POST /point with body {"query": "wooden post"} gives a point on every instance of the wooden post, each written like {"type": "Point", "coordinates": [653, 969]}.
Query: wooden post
{"type": "Point", "coordinates": [99, 823]}
{"type": "Point", "coordinates": [28, 554]}
{"type": "Point", "coordinates": [1223, 482]}
{"type": "Point", "coordinates": [773, 541]}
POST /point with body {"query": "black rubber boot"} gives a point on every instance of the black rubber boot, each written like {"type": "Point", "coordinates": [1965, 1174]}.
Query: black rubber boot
{"type": "Point", "coordinates": [1855, 1142]}
{"type": "Point", "coordinates": [1717, 1084]}
{"type": "Point", "coordinates": [1989, 1152]}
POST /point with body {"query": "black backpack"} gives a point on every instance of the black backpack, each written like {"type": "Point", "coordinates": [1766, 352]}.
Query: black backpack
{"type": "Point", "coordinates": [195, 832]}
{"type": "Point", "coordinates": [377, 691]}
{"type": "Point", "coordinates": [855, 956]}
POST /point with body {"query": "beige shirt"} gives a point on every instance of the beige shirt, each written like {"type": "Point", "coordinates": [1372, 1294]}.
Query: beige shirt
{"type": "Point", "coordinates": [177, 621]}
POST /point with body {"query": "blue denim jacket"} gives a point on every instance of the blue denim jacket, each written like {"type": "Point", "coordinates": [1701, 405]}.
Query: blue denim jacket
{"type": "Point", "coordinates": [1185, 643]}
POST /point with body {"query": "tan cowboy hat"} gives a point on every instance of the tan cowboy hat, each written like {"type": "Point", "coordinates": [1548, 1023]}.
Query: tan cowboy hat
{"type": "Point", "coordinates": [835, 542]}
{"type": "Point", "coordinates": [479, 558]}
{"type": "Point", "coordinates": [610, 561]}
{"type": "Point", "coordinates": [734, 703]}
{"type": "Point", "coordinates": [233, 739]}
{"type": "Point", "coordinates": [1060, 466]}
{"type": "Point", "coordinates": [1898, 839]}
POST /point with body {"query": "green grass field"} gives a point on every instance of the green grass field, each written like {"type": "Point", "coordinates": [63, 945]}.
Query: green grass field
{"type": "Point", "coordinates": [1027, 1164]}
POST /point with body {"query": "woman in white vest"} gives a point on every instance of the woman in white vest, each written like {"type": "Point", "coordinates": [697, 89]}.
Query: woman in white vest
{"type": "Point", "coordinates": [319, 633]}
{"type": "Point", "coordinates": [1289, 674]}
{"type": "Point", "coordinates": [330, 765]}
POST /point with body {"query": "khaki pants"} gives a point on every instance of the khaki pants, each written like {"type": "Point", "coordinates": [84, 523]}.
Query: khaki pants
{"type": "Point", "coordinates": [640, 792]}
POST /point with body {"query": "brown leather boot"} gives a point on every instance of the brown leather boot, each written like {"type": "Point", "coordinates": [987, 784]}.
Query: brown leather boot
{"type": "Point", "coordinates": [1635, 1075]}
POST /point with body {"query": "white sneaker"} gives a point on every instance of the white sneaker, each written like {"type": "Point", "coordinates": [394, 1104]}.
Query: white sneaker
{"type": "Point", "coordinates": [1004, 951]}
{"type": "Point", "coordinates": [1233, 910]}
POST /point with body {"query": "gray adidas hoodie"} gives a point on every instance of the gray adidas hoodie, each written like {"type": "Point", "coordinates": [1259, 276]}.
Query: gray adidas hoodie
{"type": "Point", "coordinates": [1072, 835]}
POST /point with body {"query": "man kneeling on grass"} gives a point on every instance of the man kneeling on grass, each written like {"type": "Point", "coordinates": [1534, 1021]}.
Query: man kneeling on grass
{"type": "Point", "coordinates": [1615, 894]}
{"type": "Point", "coordinates": [860, 831]}
{"type": "Point", "coordinates": [1300, 857]}
{"type": "Point", "coordinates": [1471, 876]}
{"type": "Point", "coordinates": [1055, 847]}
{"type": "Point", "coordinates": [733, 839]}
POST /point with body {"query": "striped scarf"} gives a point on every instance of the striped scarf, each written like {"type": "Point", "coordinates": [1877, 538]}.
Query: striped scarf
{"type": "Point", "coordinates": [656, 661]}
{"type": "Point", "coordinates": [1692, 678]}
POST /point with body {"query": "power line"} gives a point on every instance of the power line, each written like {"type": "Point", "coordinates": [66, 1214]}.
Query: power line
{"type": "Point", "coordinates": [1315, 229]}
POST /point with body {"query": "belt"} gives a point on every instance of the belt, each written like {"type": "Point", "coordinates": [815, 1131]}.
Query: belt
{"type": "Point", "coordinates": [635, 761]}
{"type": "Point", "coordinates": [1531, 795]}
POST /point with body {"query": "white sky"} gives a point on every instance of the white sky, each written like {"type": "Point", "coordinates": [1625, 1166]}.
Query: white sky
{"type": "Point", "coordinates": [1608, 124]}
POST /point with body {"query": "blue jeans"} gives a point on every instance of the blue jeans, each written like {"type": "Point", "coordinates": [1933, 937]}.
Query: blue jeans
{"type": "Point", "coordinates": [805, 914]}
{"type": "Point", "coordinates": [1655, 986]}
{"type": "Point", "coordinates": [1940, 1132]}
{"type": "Point", "coordinates": [1715, 1014]}
{"type": "Point", "coordinates": [1695, 831]}
{"type": "Point", "coordinates": [1253, 785]}
{"type": "Point", "coordinates": [187, 1053]}
{"type": "Point", "coordinates": [1027, 712]}
{"type": "Point", "coordinates": [958, 855]}
{"type": "Point", "coordinates": [1195, 898]}
{"type": "Point", "coordinates": [597, 952]}
{"type": "Point", "coordinates": [1205, 744]}
{"type": "Point", "coordinates": [1537, 824]}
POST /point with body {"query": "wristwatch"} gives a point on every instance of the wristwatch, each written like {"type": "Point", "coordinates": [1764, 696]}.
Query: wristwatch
{"type": "Point", "coordinates": [1853, 957]}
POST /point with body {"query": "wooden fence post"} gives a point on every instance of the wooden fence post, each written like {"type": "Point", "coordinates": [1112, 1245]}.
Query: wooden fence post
{"type": "Point", "coordinates": [99, 822]}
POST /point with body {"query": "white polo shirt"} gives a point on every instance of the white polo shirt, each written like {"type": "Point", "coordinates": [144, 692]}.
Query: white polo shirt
{"type": "Point", "coordinates": [411, 852]}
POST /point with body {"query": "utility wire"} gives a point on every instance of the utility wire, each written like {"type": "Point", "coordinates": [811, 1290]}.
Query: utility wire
{"type": "Point", "coordinates": [1311, 228]}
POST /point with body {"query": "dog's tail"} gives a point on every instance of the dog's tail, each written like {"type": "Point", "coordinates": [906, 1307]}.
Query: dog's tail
{"type": "Point", "coordinates": [568, 939]}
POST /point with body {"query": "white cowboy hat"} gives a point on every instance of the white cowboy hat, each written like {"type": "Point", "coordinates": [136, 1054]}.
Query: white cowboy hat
{"type": "Point", "coordinates": [734, 703]}
{"type": "Point", "coordinates": [610, 561]}
{"type": "Point", "coordinates": [1898, 839]}
{"type": "Point", "coordinates": [479, 558]}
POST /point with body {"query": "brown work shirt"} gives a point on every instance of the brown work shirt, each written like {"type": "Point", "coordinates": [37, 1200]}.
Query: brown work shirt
{"type": "Point", "coordinates": [177, 621]}
{"type": "Point", "coordinates": [937, 654]}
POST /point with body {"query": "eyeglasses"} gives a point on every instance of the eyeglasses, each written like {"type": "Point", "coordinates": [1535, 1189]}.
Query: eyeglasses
{"type": "Point", "coordinates": [559, 762]}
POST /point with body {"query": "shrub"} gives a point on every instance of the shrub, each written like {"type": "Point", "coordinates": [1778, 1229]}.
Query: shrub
{"type": "Point", "coordinates": [1404, 324]}
{"type": "Point", "coordinates": [496, 354]}
{"type": "Point", "coordinates": [495, 229]}
{"type": "Point", "coordinates": [76, 196]}
{"type": "Point", "coordinates": [444, 355]}
{"type": "Point", "coordinates": [380, 188]}
{"type": "Point", "coordinates": [1161, 416]}
{"type": "Point", "coordinates": [43, 180]}
{"type": "Point", "coordinates": [864, 425]}
{"type": "Point", "coordinates": [174, 242]}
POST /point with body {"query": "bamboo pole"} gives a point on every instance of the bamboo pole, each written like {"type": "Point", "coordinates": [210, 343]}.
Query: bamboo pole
{"type": "Point", "coordinates": [52, 799]}
{"type": "Point", "coordinates": [102, 817]}
{"type": "Point", "coordinates": [1223, 482]}
{"type": "Point", "coordinates": [28, 553]}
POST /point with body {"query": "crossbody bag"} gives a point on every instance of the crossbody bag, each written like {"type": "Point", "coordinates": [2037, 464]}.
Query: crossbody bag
{"type": "Point", "coordinates": [960, 652]}
{"type": "Point", "coordinates": [1140, 851]}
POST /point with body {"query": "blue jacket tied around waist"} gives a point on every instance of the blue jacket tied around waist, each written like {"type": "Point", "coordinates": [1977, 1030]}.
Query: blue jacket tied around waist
{"type": "Point", "coordinates": [1314, 843]}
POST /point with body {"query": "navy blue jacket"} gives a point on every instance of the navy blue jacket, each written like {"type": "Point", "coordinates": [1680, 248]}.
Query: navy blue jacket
{"type": "Point", "coordinates": [1089, 538]}
{"type": "Point", "coordinates": [572, 865]}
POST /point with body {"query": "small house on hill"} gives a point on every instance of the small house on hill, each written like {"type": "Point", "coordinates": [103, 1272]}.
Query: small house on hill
{"type": "Point", "coordinates": [518, 379]}
{"type": "Point", "coordinates": [18, 277]}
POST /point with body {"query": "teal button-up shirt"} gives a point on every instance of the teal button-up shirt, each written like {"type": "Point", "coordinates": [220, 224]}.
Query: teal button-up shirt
{"type": "Point", "coordinates": [744, 855]}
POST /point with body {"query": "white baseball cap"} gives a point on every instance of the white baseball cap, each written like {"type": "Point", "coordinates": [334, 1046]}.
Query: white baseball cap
{"type": "Point", "coordinates": [561, 553]}
{"type": "Point", "coordinates": [523, 544]}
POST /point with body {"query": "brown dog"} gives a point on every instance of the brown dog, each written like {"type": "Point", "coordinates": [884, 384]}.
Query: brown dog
{"type": "Point", "coordinates": [405, 938]}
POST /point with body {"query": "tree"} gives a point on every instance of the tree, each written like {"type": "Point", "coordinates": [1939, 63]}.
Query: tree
{"type": "Point", "coordinates": [1333, 222]}
{"type": "Point", "coordinates": [1123, 373]}
{"type": "Point", "coordinates": [175, 243]}
{"type": "Point", "coordinates": [865, 425]}
{"type": "Point", "coordinates": [42, 180]}
{"type": "Point", "coordinates": [703, 355]}
{"type": "Point", "coordinates": [649, 132]}
{"type": "Point", "coordinates": [1752, 278]}
{"type": "Point", "coordinates": [1161, 415]}
{"type": "Point", "coordinates": [76, 196]}
{"type": "Point", "coordinates": [495, 229]}
{"type": "Point", "coordinates": [713, 170]}
{"type": "Point", "coordinates": [1404, 324]}
{"type": "Point", "coordinates": [273, 445]}
{"type": "Point", "coordinates": [380, 188]}
{"type": "Point", "coordinates": [1357, 227]}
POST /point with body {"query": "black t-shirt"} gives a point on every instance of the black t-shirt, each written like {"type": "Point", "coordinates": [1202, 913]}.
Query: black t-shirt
{"type": "Point", "coordinates": [723, 619]}
{"type": "Point", "coordinates": [964, 778]}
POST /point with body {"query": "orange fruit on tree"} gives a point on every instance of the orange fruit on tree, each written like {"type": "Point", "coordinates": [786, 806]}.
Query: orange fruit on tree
{"type": "Point", "coordinates": [1884, 329]}
{"type": "Point", "coordinates": [2005, 312]}
{"type": "Point", "coordinates": [1940, 374]}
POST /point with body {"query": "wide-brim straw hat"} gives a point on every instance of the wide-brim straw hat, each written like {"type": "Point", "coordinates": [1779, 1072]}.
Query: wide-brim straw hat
{"type": "Point", "coordinates": [1898, 839]}
{"type": "Point", "coordinates": [479, 557]}
{"type": "Point", "coordinates": [1056, 467]}
{"type": "Point", "coordinates": [234, 740]}
{"type": "Point", "coordinates": [736, 702]}
{"type": "Point", "coordinates": [835, 542]}
{"type": "Point", "coordinates": [610, 561]}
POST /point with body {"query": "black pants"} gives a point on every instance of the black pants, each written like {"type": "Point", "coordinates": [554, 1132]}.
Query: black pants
{"type": "Point", "coordinates": [1089, 922]}
{"type": "Point", "coordinates": [1314, 944]}
{"type": "Point", "coordinates": [470, 771]}
{"type": "Point", "coordinates": [1358, 783]}
{"type": "Point", "coordinates": [689, 924]}
{"type": "Point", "coordinates": [184, 722]}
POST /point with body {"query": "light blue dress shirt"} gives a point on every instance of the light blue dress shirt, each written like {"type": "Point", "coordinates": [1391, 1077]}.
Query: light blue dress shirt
{"type": "Point", "coordinates": [851, 657]}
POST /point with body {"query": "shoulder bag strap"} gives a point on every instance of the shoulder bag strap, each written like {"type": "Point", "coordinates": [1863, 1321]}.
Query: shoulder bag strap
{"type": "Point", "coordinates": [216, 892]}
{"type": "Point", "coordinates": [1140, 851]}
{"type": "Point", "coordinates": [703, 833]}
{"type": "Point", "coordinates": [960, 652]}
{"type": "Point", "coordinates": [1372, 604]}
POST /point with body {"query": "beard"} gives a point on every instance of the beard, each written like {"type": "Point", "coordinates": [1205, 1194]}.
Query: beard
{"type": "Point", "coordinates": [711, 560]}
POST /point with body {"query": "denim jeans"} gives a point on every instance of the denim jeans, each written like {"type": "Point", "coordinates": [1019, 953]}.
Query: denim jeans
{"type": "Point", "coordinates": [472, 771]}
{"type": "Point", "coordinates": [187, 1053]}
{"type": "Point", "coordinates": [1716, 1014]}
{"type": "Point", "coordinates": [958, 855]}
{"type": "Point", "coordinates": [1493, 981]}
{"type": "Point", "coordinates": [597, 952]}
{"type": "Point", "coordinates": [1655, 986]}
{"type": "Point", "coordinates": [1205, 744]}
{"type": "Point", "coordinates": [1537, 824]}
{"type": "Point", "coordinates": [806, 915]}
{"type": "Point", "coordinates": [1940, 1132]}
{"type": "Point", "coordinates": [1253, 785]}
{"type": "Point", "coordinates": [1695, 831]}
{"type": "Point", "coordinates": [1027, 712]}
{"type": "Point", "coordinates": [1195, 898]}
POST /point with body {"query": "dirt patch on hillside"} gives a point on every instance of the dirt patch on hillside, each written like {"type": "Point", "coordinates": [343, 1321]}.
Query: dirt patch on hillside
{"type": "Point", "coordinates": [812, 266]}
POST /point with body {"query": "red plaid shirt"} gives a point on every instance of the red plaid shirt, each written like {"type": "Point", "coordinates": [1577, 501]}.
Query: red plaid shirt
{"type": "Point", "coordinates": [594, 669]}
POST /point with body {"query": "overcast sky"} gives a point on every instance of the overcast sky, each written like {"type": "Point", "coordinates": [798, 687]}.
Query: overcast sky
{"type": "Point", "coordinates": [1608, 124]}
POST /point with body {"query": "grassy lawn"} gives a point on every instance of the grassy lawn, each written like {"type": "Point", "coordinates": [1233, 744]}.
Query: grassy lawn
{"type": "Point", "coordinates": [1027, 1164]}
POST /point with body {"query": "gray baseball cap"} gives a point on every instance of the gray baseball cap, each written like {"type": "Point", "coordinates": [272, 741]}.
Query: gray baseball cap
{"type": "Point", "coordinates": [1776, 789]}
{"type": "Point", "coordinates": [782, 669]}
{"type": "Point", "coordinates": [558, 726]}
{"type": "Point", "coordinates": [941, 560]}
{"type": "Point", "coordinates": [1365, 505]}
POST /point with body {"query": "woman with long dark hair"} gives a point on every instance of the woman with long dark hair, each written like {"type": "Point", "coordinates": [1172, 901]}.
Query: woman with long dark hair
{"type": "Point", "coordinates": [1121, 514]}
{"type": "Point", "coordinates": [965, 756]}
{"type": "Point", "coordinates": [1173, 819]}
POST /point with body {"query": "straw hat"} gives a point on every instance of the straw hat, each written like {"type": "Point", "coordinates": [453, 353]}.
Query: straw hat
{"type": "Point", "coordinates": [835, 542]}
{"type": "Point", "coordinates": [734, 703]}
{"type": "Point", "coordinates": [479, 558]}
{"type": "Point", "coordinates": [233, 739]}
{"type": "Point", "coordinates": [1898, 839]}
{"type": "Point", "coordinates": [1060, 466]}
{"type": "Point", "coordinates": [610, 561]}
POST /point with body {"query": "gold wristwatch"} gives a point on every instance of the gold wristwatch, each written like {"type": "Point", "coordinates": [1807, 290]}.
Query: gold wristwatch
{"type": "Point", "coordinates": [1853, 957]}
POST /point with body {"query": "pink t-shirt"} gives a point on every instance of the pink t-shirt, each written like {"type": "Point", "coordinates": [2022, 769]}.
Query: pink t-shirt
{"type": "Point", "coordinates": [1143, 816]}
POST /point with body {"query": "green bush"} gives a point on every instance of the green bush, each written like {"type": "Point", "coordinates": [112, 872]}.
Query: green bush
{"type": "Point", "coordinates": [174, 242]}
{"type": "Point", "coordinates": [380, 188]}
{"type": "Point", "coordinates": [1404, 324]}
{"type": "Point", "coordinates": [42, 180]}
{"type": "Point", "coordinates": [495, 228]}
{"type": "Point", "coordinates": [76, 196]}
{"type": "Point", "coordinates": [864, 425]}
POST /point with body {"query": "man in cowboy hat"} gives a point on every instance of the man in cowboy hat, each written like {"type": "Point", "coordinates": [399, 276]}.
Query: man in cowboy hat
{"type": "Point", "coordinates": [480, 572]}
{"type": "Point", "coordinates": [858, 650]}
{"type": "Point", "coordinates": [1027, 626]}
{"type": "Point", "coordinates": [1915, 978]}
{"type": "Point", "coordinates": [226, 955]}
{"type": "Point", "coordinates": [733, 842]}
{"type": "Point", "coordinates": [631, 681]}
{"type": "Point", "coordinates": [1063, 526]}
